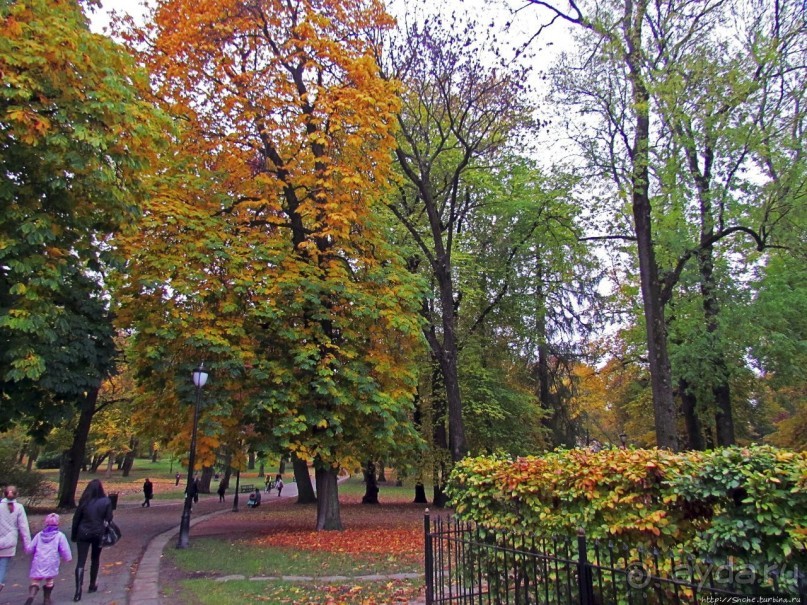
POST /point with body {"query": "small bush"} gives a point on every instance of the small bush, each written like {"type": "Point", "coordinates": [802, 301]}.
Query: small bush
{"type": "Point", "coordinates": [32, 487]}
{"type": "Point", "coordinates": [49, 461]}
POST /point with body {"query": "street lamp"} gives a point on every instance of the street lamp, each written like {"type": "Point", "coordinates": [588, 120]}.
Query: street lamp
{"type": "Point", "coordinates": [199, 380]}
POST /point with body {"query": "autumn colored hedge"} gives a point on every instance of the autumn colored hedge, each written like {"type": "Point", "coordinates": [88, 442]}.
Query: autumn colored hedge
{"type": "Point", "coordinates": [747, 502]}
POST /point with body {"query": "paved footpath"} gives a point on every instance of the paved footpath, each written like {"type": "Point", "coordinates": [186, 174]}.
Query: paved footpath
{"type": "Point", "coordinates": [130, 570]}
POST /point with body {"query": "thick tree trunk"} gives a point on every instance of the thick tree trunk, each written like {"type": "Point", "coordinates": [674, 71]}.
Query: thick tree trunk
{"type": "Point", "coordinates": [660, 373]}
{"type": "Point", "coordinates": [305, 490]}
{"type": "Point", "coordinates": [382, 472]}
{"type": "Point", "coordinates": [420, 494]}
{"type": "Point", "coordinates": [205, 479]}
{"type": "Point", "coordinates": [370, 484]}
{"type": "Point", "coordinates": [73, 458]}
{"type": "Point", "coordinates": [251, 461]}
{"type": "Point", "coordinates": [328, 512]}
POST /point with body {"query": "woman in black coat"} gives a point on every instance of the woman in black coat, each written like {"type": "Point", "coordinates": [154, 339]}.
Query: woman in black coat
{"type": "Point", "coordinates": [93, 512]}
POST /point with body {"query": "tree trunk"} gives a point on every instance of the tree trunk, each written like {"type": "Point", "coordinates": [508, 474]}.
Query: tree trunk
{"type": "Point", "coordinates": [305, 490]}
{"type": "Point", "coordinates": [73, 458]}
{"type": "Point", "coordinates": [448, 364]}
{"type": "Point", "coordinates": [128, 460]}
{"type": "Point", "coordinates": [420, 494]}
{"type": "Point", "coordinates": [660, 373]}
{"type": "Point", "coordinates": [328, 512]}
{"type": "Point", "coordinates": [225, 478]}
{"type": "Point", "coordinates": [691, 419]}
{"type": "Point", "coordinates": [97, 461]}
{"type": "Point", "coordinates": [382, 472]}
{"type": "Point", "coordinates": [205, 479]}
{"type": "Point", "coordinates": [251, 461]}
{"type": "Point", "coordinates": [33, 454]}
{"type": "Point", "coordinates": [370, 484]}
{"type": "Point", "coordinates": [721, 391]}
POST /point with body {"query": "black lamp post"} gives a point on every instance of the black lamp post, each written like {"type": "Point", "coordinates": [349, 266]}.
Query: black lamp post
{"type": "Point", "coordinates": [238, 472]}
{"type": "Point", "coordinates": [199, 380]}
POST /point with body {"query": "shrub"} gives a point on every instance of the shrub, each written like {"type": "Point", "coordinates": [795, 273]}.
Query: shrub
{"type": "Point", "coordinates": [747, 502]}
{"type": "Point", "coordinates": [49, 461]}
{"type": "Point", "coordinates": [32, 487]}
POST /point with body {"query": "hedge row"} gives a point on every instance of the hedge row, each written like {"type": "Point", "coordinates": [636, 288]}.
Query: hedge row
{"type": "Point", "coordinates": [745, 502]}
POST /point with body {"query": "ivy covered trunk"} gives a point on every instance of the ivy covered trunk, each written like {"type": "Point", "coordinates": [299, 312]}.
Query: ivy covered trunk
{"type": "Point", "coordinates": [328, 512]}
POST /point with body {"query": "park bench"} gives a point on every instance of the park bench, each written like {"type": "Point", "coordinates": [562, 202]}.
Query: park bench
{"type": "Point", "coordinates": [245, 489]}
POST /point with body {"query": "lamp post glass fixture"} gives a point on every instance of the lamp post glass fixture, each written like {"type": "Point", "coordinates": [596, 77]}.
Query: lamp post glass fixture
{"type": "Point", "coordinates": [199, 381]}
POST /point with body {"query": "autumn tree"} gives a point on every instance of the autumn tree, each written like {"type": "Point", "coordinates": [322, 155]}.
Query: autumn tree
{"type": "Point", "coordinates": [75, 137]}
{"type": "Point", "coordinates": [287, 135]}
{"type": "Point", "coordinates": [458, 113]}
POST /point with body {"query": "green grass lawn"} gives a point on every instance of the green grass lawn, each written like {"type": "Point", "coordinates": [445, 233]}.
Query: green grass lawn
{"type": "Point", "coordinates": [273, 555]}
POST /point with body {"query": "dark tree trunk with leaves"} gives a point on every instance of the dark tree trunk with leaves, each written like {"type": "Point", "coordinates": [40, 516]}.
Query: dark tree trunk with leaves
{"type": "Point", "coordinates": [328, 511]}
{"type": "Point", "coordinates": [305, 490]}
{"type": "Point", "coordinates": [72, 459]}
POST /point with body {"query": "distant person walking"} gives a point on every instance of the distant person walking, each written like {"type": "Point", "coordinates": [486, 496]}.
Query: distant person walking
{"type": "Point", "coordinates": [49, 547]}
{"type": "Point", "coordinates": [93, 512]}
{"type": "Point", "coordinates": [177, 477]}
{"type": "Point", "coordinates": [279, 484]}
{"type": "Point", "coordinates": [148, 493]}
{"type": "Point", "coordinates": [13, 524]}
{"type": "Point", "coordinates": [221, 491]}
{"type": "Point", "coordinates": [269, 484]}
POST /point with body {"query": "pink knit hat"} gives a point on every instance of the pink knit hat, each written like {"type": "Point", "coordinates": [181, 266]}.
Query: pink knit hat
{"type": "Point", "coordinates": [52, 519]}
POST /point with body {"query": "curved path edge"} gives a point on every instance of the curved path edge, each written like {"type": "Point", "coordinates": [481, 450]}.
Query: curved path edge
{"type": "Point", "coordinates": [146, 583]}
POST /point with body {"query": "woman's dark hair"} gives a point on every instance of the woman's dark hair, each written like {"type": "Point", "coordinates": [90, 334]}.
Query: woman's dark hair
{"type": "Point", "coordinates": [93, 491]}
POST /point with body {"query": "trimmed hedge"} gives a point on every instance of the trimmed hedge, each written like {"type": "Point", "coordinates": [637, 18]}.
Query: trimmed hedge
{"type": "Point", "coordinates": [745, 502]}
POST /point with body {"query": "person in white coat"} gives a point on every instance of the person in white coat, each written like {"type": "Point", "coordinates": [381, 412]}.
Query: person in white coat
{"type": "Point", "coordinates": [13, 525]}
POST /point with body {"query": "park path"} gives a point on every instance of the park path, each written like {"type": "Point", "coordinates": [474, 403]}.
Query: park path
{"type": "Point", "coordinates": [146, 531]}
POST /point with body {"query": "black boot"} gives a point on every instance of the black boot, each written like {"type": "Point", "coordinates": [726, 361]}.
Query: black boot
{"type": "Point", "coordinates": [93, 577]}
{"type": "Point", "coordinates": [32, 590]}
{"type": "Point", "coordinates": [79, 582]}
{"type": "Point", "coordinates": [46, 593]}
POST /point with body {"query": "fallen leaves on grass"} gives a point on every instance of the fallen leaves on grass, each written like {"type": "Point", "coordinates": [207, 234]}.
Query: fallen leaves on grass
{"type": "Point", "coordinates": [407, 543]}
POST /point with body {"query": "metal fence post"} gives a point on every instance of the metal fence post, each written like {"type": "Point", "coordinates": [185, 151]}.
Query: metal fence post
{"type": "Point", "coordinates": [585, 580]}
{"type": "Point", "coordinates": [429, 558]}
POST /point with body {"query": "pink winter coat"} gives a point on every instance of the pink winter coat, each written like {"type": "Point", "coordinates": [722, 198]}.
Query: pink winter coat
{"type": "Point", "coordinates": [48, 546]}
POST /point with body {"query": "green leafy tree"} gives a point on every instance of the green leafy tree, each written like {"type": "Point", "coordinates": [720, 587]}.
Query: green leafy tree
{"type": "Point", "coordinates": [75, 137]}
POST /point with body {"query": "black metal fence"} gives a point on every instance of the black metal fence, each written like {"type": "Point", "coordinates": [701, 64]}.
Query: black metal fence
{"type": "Point", "coordinates": [467, 564]}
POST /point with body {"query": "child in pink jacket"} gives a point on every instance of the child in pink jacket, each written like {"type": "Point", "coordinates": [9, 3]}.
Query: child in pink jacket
{"type": "Point", "coordinates": [49, 547]}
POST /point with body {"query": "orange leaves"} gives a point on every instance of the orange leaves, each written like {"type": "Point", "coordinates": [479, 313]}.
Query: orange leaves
{"type": "Point", "coordinates": [406, 543]}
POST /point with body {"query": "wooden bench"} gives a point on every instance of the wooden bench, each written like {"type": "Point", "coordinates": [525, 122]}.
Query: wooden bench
{"type": "Point", "coordinates": [245, 489]}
